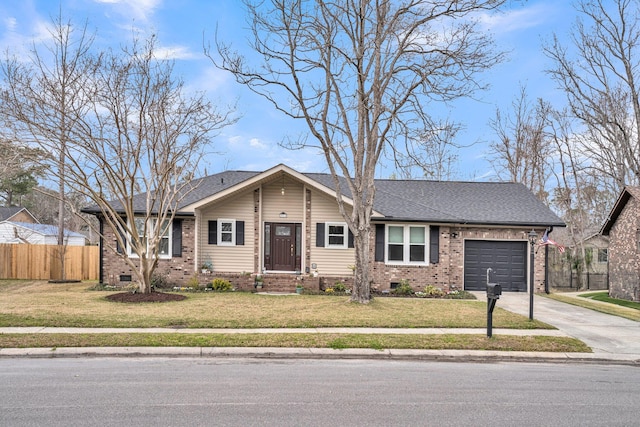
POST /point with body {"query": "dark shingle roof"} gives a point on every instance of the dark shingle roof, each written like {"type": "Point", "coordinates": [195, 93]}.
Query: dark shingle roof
{"type": "Point", "coordinates": [456, 202]}
{"type": "Point", "coordinates": [626, 194]}
{"type": "Point", "coordinates": [493, 203]}
{"type": "Point", "coordinates": [8, 212]}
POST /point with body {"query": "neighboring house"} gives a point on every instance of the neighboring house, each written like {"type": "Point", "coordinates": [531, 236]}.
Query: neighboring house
{"type": "Point", "coordinates": [562, 272]}
{"type": "Point", "coordinates": [17, 214]}
{"type": "Point", "coordinates": [623, 229]}
{"type": "Point", "coordinates": [285, 225]}
{"type": "Point", "coordinates": [36, 234]}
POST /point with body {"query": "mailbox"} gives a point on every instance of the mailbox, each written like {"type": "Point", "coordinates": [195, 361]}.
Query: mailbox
{"type": "Point", "coordinates": [494, 291]}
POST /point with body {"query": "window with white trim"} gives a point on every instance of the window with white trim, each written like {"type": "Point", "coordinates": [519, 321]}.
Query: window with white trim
{"type": "Point", "coordinates": [226, 232]}
{"type": "Point", "coordinates": [406, 244]}
{"type": "Point", "coordinates": [336, 235]}
{"type": "Point", "coordinates": [164, 245]}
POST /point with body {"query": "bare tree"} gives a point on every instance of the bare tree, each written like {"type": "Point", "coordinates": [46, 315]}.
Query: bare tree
{"type": "Point", "coordinates": [131, 139]}
{"type": "Point", "coordinates": [522, 152]}
{"type": "Point", "coordinates": [43, 97]}
{"type": "Point", "coordinates": [600, 74]}
{"type": "Point", "coordinates": [361, 75]}
{"type": "Point", "coordinates": [142, 142]}
{"type": "Point", "coordinates": [431, 153]}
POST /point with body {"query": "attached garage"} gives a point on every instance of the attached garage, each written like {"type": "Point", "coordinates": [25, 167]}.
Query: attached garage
{"type": "Point", "coordinates": [507, 259]}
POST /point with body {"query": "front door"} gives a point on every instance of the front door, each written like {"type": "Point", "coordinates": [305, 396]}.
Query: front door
{"type": "Point", "coordinates": [282, 247]}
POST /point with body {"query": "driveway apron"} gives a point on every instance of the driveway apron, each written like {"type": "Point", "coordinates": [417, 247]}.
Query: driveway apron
{"type": "Point", "coordinates": [604, 333]}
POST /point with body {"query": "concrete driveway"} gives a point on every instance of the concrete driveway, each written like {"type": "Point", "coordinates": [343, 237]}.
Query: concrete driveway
{"type": "Point", "coordinates": [604, 333]}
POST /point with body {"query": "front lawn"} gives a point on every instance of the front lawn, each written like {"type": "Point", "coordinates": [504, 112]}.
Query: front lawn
{"type": "Point", "coordinates": [28, 303]}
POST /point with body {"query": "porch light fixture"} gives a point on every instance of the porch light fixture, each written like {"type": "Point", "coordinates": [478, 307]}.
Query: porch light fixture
{"type": "Point", "coordinates": [283, 214]}
{"type": "Point", "coordinates": [282, 192]}
{"type": "Point", "coordinates": [532, 236]}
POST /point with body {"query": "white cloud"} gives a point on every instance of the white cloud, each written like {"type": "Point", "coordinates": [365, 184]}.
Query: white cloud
{"type": "Point", "coordinates": [10, 23]}
{"type": "Point", "coordinates": [174, 52]}
{"type": "Point", "coordinates": [517, 19]}
{"type": "Point", "coordinates": [256, 143]}
{"type": "Point", "coordinates": [235, 140]}
{"type": "Point", "coordinates": [135, 9]}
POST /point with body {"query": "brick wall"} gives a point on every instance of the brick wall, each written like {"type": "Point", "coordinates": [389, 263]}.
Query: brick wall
{"type": "Point", "coordinates": [624, 269]}
{"type": "Point", "coordinates": [448, 273]}
{"type": "Point", "coordinates": [176, 270]}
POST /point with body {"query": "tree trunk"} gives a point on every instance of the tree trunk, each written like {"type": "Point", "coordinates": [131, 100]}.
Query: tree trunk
{"type": "Point", "coordinates": [361, 292]}
{"type": "Point", "coordinates": [61, 208]}
{"type": "Point", "coordinates": [144, 273]}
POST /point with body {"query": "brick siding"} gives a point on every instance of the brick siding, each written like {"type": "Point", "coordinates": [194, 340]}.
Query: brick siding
{"type": "Point", "coordinates": [447, 274]}
{"type": "Point", "coordinates": [624, 271]}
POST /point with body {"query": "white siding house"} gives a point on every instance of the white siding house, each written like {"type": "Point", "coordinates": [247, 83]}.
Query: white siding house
{"type": "Point", "coordinates": [36, 234]}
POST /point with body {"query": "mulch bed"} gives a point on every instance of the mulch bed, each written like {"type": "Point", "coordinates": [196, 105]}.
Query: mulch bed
{"type": "Point", "coordinates": [138, 297]}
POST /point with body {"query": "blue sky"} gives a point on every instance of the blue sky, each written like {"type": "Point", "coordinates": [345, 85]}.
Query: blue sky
{"type": "Point", "coordinates": [252, 143]}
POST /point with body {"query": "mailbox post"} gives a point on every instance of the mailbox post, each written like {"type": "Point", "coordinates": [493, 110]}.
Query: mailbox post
{"type": "Point", "coordinates": [494, 291]}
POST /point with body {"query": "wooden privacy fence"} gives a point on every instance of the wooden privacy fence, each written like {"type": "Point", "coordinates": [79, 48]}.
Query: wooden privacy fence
{"type": "Point", "coordinates": [42, 262]}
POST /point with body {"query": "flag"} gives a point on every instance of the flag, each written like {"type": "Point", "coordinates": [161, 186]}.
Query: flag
{"type": "Point", "coordinates": [547, 241]}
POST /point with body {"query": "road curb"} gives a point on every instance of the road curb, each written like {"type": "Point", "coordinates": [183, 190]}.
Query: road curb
{"type": "Point", "coordinates": [462, 356]}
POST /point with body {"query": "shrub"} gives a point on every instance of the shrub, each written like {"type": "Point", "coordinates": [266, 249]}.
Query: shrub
{"type": "Point", "coordinates": [404, 288]}
{"type": "Point", "coordinates": [339, 287]}
{"type": "Point", "coordinates": [433, 292]}
{"type": "Point", "coordinates": [161, 281]}
{"type": "Point", "coordinates": [193, 282]}
{"type": "Point", "coordinates": [219, 284]}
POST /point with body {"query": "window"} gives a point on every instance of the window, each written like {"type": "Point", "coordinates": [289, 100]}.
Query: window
{"type": "Point", "coordinates": [226, 232]}
{"type": "Point", "coordinates": [603, 255]}
{"type": "Point", "coordinates": [144, 229]}
{"type": "Point", "coordinates": [336, 236]}
{"type": "Point", "coordinates": [406, 244]}
{"type": "Point", "coordinates": [164, 248]}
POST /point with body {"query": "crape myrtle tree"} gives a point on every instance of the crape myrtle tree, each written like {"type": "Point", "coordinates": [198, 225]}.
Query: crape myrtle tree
{"type": "Point", "coordinates": [363, 75]}
{"type": "Point", "coordinates": [139, 149]}
{"type": "Point", "coordinates": [132, 140]}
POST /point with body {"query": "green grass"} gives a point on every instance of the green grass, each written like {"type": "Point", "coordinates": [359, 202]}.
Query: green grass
{"type": "Point", "coordinates": [73, 305]}
{"type": "Point", "coordinates": [28, 303]}
{"type": "Point", "coordinates": [336, 341]}
{"type": "Point", "coordinates": [601, 306]}
{"type": "Point", "coordinates": [604, 297]}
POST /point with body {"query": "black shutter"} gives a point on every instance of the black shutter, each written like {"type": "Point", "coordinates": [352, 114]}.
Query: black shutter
{"type": "Point", "coordinates": [320, 235]}
{"type": "Point", "coordinates": [350, 241]}
{"type": "Point", "coordinates": [119, 248]}
{"type": "Point", "coordinates": [176, 238]}
{"type": "Point", "coordinates": [240, 233]}
{"type": "Point", "coordinates": [379, 242]}
{"type": "Point", "coordinates": [213, 232]}
{"type": "Point", "coordinates": [434, 244]}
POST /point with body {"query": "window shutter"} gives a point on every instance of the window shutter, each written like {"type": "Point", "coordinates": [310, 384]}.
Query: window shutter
{"type": "Point", "coordinates": [350, 241]}
{"type": "Point", "coordinates": [176, 238]}
{"type": "Point", "coordinates": [213, 232]}
{"type": "Point", "coordinates": [240, 233]}
{"type": "Point", "coordinates": [434, 244]}
{"type": "Point", "coordinates": [119, 248]}
{"type": "Point", "coordinates": [320, 235]}
{"type": "Point", "coordinates": [379, 256]}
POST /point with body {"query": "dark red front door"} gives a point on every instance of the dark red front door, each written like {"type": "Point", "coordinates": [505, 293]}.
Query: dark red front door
{"type": "Point", "coordinates": [282, 247]}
